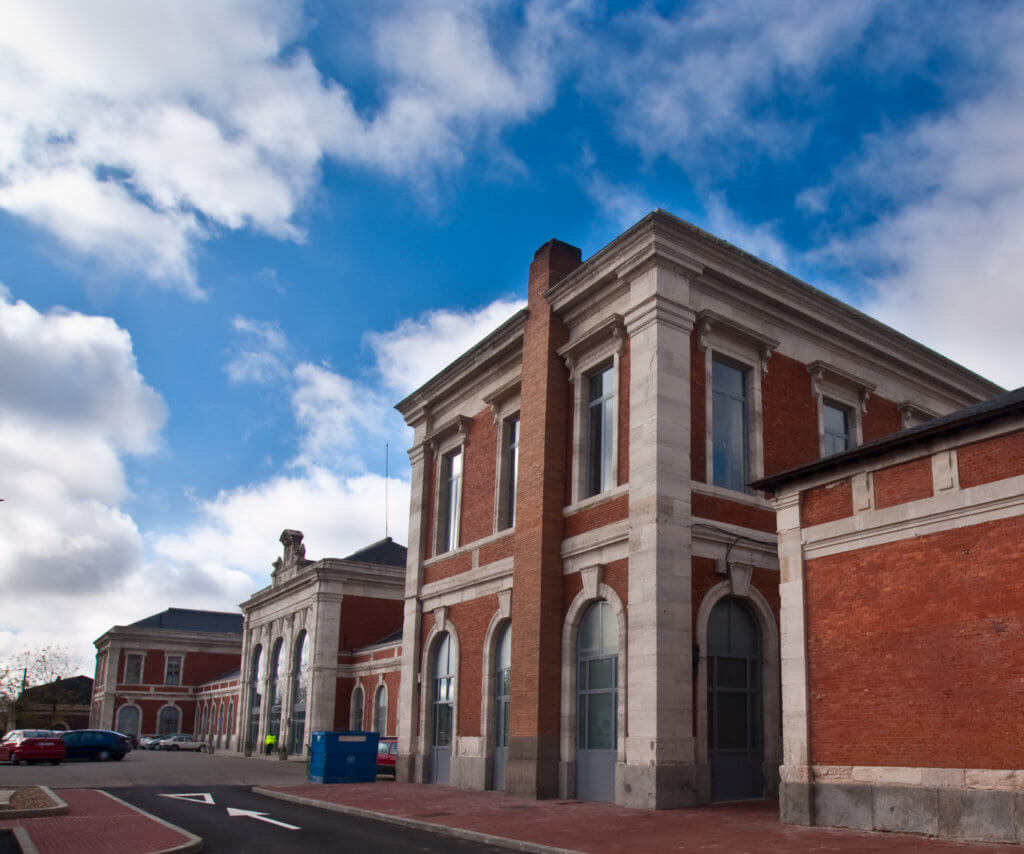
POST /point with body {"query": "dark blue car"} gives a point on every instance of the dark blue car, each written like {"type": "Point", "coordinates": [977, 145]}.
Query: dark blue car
{"type": "Point", "coordinates": [101, 744]}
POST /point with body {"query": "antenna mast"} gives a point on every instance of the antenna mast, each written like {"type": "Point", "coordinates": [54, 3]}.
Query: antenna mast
{"type": "Point", "coordinates": [385, 490]}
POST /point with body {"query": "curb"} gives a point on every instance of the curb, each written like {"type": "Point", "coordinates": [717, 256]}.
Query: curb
{"type": "Point", "coordinates": [192, 843]}
{"type": "Point", "coordinates": [58, 808]}
{"type": "Point", "coordinates": [24, 841]}
{"type": "Point", "coordinates": [439, 829]}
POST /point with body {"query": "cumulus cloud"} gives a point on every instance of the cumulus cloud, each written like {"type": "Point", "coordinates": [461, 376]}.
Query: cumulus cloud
{"type": "Point", "coordinates": [944, 253]}
{"type": "Point", "coordinates": [73, 405]}
{"type": "Point", "coordinates": [259, 352]}
{"type": "Point", "coordinates": [133, 131]}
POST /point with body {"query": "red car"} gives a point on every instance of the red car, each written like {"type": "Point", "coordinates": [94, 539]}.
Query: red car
{"type": "Point", "coordinates": [32, 745]}
{"type": "Point", "coordinates": [387, 753]}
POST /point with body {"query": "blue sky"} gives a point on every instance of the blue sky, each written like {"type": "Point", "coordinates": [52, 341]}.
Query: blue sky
{"type": "Point", "coordinates": [233, 235]}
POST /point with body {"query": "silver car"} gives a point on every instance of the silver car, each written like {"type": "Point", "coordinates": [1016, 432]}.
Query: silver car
{"type": "Point", "coordinates": [184, 742]}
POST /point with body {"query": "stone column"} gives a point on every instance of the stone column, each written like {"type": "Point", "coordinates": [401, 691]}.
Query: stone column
{"type": "Point", "coordinates": [659, 770]}
{"type": "Point", "coordinates": [106, 716]}
{"type": "Point", "coordinates": [323, 675]}
{"type": "Point", "coordinates": [533, 750]}
{"type": "Point", "coordinates": [795, 797]}
{"type": "Point", "coordinates": [410, 766]}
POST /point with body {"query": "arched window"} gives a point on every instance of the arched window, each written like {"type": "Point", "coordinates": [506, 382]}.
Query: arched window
{"type": "Point", "coordinates": [380, 711]}
{"type": "Point", "coordinates": [274, 716]}
{"type": "Point", "coordinates": [356, 721]}
{"type": "Point", "coordinates": [443, 707]}
{"type": "Point", "coordinates": [300, 693]}
{"type": "Point", "coordinates": [128, 721]}
{"type": "Point", "coordinates": [169, 721]}
{"type": "Point", "coordinates": [597, 703]}
{"type": "Point", "coordinates": [255, 697]}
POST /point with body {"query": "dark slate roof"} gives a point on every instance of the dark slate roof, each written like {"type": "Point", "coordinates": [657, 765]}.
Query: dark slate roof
{"type": "Point", "coordinates": [74, 689]}
{"type": "Point", "coordinates": [385, 552]}
{"type": "Point", "coordinates": [1009, 403]}
{"type": "Point", "coordinates": [394, 637]}
{"type": "Point", "coordinates": [186, 620]}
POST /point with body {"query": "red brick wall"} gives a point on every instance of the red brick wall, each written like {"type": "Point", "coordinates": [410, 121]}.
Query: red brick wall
{"type": "Point", "coordinates": [790, 415]}
{"type": "Point", "coordinates": [447, 567]}
{"type": "Point", "coordinates": [201, 667]}
{"type": "Point", "coordinates": [733, 512]}
{"type": "Point", "coordinates": [881, 419]}
{"type": "Point", "coordinates": [393, 681]}
{"type": "Point", "coordinates": [908, 481]}
{"type": "Point", "coordinates": [570, 420]}
{"type": "Point", "coordinates": [623, 403]}
{"type": "Point", "coordinates": [478, 473]}
{"type": "Point", "coordinates": [616, 576]}
{"type": "Point", "coordinates": [597, 516]}
{"type": "Point", "coordinates": [152, 667]}
{"type": "Point", "coordinates": [496, 550]}
{"type": "Point", "coordinates": [365, 620]}
{"type": "Point", "coordinates": [471, 620]}
{"type": "Point", "coordinates": [343, 702]}
{"type": "Point", "coordinates": [915, 651]}
{"type": "Point", "coordinates": [826, 503]}
{"type": "Point", "coordinates": [991, 459]}
{"type": "Point", "coordinates": [698, 412]}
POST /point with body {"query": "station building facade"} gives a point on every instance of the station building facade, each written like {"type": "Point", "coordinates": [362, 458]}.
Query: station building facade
{"type": "Point", "coordinates": [591, 596]}
{"type": "Point", "coordinates": [903, 630]}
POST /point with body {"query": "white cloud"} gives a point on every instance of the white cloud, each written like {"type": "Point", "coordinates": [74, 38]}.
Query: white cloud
{"type": "Point", "coordinates": [135, 130]}
{"type": "Point", "coordinates": [72, 406]}
{"type": "Point", "coordinates": [945, 254]}
{"type": "Point", "coordinates": [259, 354]}
{"type": "Point", "coordinates": [416, 349]}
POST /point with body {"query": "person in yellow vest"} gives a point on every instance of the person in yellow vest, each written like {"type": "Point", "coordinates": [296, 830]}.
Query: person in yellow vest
{"type": "Point", "coordinates": [270, 742]}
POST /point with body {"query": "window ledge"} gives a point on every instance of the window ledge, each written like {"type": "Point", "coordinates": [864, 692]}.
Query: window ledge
{"type": "Point", "coordinates": [731, 495]}
{"type": "Point", "coordinates": [470, 547]}
{"type": "Point", "coordinates": [600, 498]}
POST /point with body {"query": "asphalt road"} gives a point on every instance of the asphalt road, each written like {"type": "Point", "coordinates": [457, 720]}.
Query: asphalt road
{"type": "Point", "coordinates": [318, 830]}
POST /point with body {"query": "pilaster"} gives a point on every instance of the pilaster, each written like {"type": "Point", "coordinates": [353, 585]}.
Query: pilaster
{"type": "Point", "coordinates": [659, 770]}
{"type": "Point", "coordinates": [323, 675]}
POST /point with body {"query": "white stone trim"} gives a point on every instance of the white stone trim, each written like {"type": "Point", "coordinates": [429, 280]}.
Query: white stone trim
{"type": "Point", "coordinates": [142, 667]}
{"type": "Point", "coordinates": [469, 585]}
{"type": "Point", "coordinates": [771, 723]}
{"type": "Point", "coordinates": [353, 724]}
{"type": "Point", "coordinates": [747, 498]}
{"type": "Point", "coordinates": [594, 500]}
{"type": "Point", "coordinates": [168, 655]}
{"type": "Point", "coordinates": [829, 383]}
{"type": "Point", "coordinates": [503, 414]}
{"type": "Point", "coordinates": [445, 443]}
{"type": "Point", "coordinates": [988, 502]}
{"type": "Point", "coordinates": [570, 632]}
{"type": "Point", "coordinates": [1004, 780]}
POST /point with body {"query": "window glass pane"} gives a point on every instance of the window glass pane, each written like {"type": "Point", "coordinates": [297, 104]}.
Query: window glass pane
{"type": "Point", "coordinates": [732, 673]}
{"type": "Point", "coordinates": [733, 726]}
{"type": "Point", "coordinates": [133, 670]}
{"type": "Point", "coordinates": [590, 632]}
{"type": "Point", "coordinates": [729, 426]}
{"type": "Point", "coordinates": [601, 721]}
{"type": "Point", "coordinates": [600, 412]}
{"type": "Point", "coordinates": [511, 474]}
{"type": "Point", "coordinates": [837, 428]}
{"type": "Point", "coordinates": [173, 672]}
{"type": "Point", "coordinates": [442, 725]}
{"type": "Point", "coordinates": [609, 630]}
{"type": "Point", "coordinates": [602, 674]}
{"type": "Point", "coordinates": [504, 652]}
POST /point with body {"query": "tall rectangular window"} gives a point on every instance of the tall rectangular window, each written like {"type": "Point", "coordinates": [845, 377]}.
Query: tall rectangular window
{"type": "Point", "coordinates": [510, 471]}
{"type": "Point", "coordinates": [172, 675]}
{"type": "Point", "coordinates": [450, 501]}
{"type": "Point", "coordinates": [836, 421]}
{"type": "Point", "coordinates": [729, 422]}
{"type": "Point", "coordinates": [133, 669]}
{"type": "Point", "coordinates": [600, 431]}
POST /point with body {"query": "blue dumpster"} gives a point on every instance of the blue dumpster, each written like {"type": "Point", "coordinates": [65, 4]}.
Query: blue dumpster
{"type": "Point", "coordinates": [343, 757]}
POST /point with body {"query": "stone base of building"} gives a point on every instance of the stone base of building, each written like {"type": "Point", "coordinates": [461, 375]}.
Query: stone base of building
{"type": "Point", "coordinates": [967, 814]}
{"type": "Point", "coordinates": [656, 787]}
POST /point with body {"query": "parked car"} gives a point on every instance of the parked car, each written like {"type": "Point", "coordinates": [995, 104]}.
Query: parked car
{"type": "Point", "coordinates": [184, 742]}
{"type": "Point", "coordinates": [31, 746]}
{"type": "Point", "coordinates": [149, 742]}
{"type": "Point", "coordinates": [101, 744]}
{"type": "Point", "coordinates": [387, 753]}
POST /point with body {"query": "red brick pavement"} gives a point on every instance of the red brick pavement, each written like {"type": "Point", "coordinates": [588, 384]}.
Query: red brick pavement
{"type": "Point", "coordinates": [747, 828]}
{"type": "Point", "coordinates": [96, 822]}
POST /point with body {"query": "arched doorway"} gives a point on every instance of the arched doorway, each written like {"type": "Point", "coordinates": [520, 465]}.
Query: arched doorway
{"type": "Point", "coordinates": [128, 722]}
{"type": "Point", "coordinates": [502, 705]}
{"type": "Point", "coordinates": [255, 699]}
{"type": "Point", "coordinates": [380, 711]}
{"type": "Point", "coordinates": [443, 707]}
{"type": "Point", "coordinates": [597, 694]}
{"type": "Point", "coordinates": [168, 721]}
{"type": "Point", "coordinates": [356, 713]}
{"type": "Point", "coordinates": [735, 720]}
{"type": "Point", "coordinates": [274, 691]}
{"type": "Point", "coordinates": [300, 690]}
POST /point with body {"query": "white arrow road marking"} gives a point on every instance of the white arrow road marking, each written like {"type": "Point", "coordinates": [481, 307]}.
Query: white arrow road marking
{"type": "Point", "coordinates": [260, 816]}
{"type": "Point", "coordinates": [194, 797]}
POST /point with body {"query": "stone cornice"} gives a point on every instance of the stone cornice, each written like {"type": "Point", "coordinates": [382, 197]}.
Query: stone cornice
{"type": "Point", "coordinates": [710, 324]}
{"type": "Point", "coordinates": [129, 636]}
{"type": "Point", "coordinates": [330, 571]}
{"type": "Point", "coordinates": [611, 328]}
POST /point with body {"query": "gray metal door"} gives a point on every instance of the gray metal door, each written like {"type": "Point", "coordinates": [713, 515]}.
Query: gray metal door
{"type": "Point", "coordinates": [502, 704]}
{"type": "Point", "coordinates": [443, 709]}
{"type": "Point", "coordinates": [597, 679]}
{"type": "Point", "coordinates": [735, 721]}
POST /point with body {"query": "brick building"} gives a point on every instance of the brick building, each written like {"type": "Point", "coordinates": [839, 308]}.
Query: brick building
{"type": "Point", "coordinates": [591, 597]}
{"type": "Point", "coordinates": [903, 630]}
{"type": "Point", "coordinates": [149, 673]}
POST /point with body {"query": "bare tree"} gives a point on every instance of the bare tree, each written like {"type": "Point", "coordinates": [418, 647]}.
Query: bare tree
{"type": "Point", "coordinates": [39, 669]}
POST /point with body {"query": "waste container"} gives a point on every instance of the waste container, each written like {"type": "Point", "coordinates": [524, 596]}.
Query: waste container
{"type": "Point", "coordinates": [343, 757]}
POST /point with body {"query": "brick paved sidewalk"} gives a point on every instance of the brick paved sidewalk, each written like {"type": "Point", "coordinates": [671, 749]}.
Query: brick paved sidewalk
{"type": "Point", "coordinates": [100, 823]}
{"type": "Point", "coordinates": [608, 829]}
